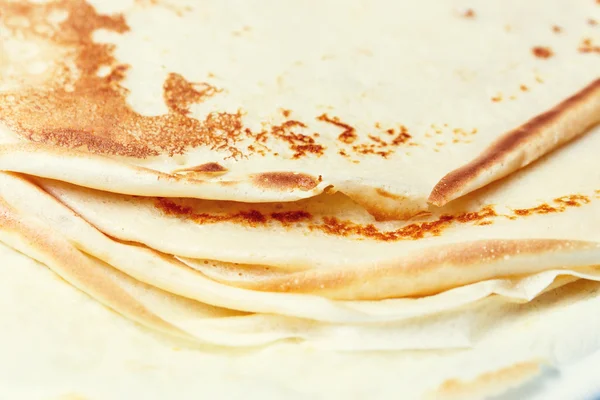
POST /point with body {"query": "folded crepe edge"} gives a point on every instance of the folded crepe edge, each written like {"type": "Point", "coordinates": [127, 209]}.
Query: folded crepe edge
{"type": "Point", "coordinates": [46, 246]}
{"type": "Point", "coordinates": [427, 273]}
{"type": "Point", "coordinates": [523, 145]}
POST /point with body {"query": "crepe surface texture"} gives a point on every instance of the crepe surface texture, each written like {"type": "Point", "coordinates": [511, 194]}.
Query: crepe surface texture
{"type": "Point", "coordinates": [187, 100]}
{"type": "Point", "coordinates": [318, 199]}
{"type": "Point", "coordinates": [331, 247]}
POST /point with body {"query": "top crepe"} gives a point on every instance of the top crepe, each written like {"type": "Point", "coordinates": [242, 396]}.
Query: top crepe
{"type": "Point", "coordinates": [394, 103]}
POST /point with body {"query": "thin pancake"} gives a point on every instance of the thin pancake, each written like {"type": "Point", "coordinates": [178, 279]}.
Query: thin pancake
{"type": "Point", "coordinates": [197, 322]}
{"type": "Point", "coordinates": [261, 278]}
{"type": "Point", "coordinates": [370, 101]}
{"type": "Point", "coordinates": [546, 216]}
{"type": "Point", "coordinates": [167, 273]}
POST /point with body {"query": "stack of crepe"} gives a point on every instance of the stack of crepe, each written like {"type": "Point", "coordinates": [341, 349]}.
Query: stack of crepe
{"type": "Point", "coordinates": [315, 180]}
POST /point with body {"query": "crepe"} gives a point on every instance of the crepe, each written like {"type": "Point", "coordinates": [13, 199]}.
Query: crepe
{"type": "Point", "coordinates": [202, 323]}
{"type": "Point", "coordinates": [444, 331]}
{"type": "Point", "coordinates": [544, 217]}
{"type": "Point", "coordinates": [108, 357]}
{"type": "Point", "coordinates": [170, 275]}
{"type": "Point", "coordinates": [183, 100]}
{"type": "Point", "coordinates": [132, 120]}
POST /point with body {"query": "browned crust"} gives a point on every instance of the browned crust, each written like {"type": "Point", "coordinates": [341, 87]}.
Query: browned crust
{"type": "Point", "coordinates": [91, 111]}
{"type": "Point", "coordinates": [58, 152]}
{"type": "Point", "coordinates": [573, 116]}
{"type": "Point", "coordinates": [455, 258]}
{"type": "Point", "coordinates": [72, 106]}
{"type": "Point", "coordinates": [542, 52]}
{"type": "Point", "coordinates": [385, 193]}
{"type": "Point", "coordinates": [210, 168]}
{"type": "Point", "coordinates": [489, 383]}
{"type": "Point", "coordinates": [285, 181]}
{"type": "Point", "coordinates": [275, 181]}
{"type": "Point", "coordinates": [179, 94]}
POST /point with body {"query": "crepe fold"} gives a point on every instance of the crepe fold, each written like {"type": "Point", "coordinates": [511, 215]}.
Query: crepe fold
{"type": "Point", "coordinates": [473, 320]}
{"type": "Point", "coordinates": [272, 113]}
{"type": "Point", "coordinates": [330, 247]}
{"type": "Point", "coordinates": [405, 196]}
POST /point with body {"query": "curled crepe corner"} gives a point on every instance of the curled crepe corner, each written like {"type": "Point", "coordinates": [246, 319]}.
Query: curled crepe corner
{"type": "Point", "coordinates": [523, 145]}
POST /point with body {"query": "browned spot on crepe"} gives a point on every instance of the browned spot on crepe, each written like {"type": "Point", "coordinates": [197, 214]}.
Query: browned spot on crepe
{"type": "Point", "coordinates": [77, 108]}
{"type": "Point", "coordinates": [334, 226]}
{"type": "Point", "coordinates": [83, 110]}
{"type": "Point", "coordinates": [588, 46]}
{"type": "Point", "coordinates": [289, 132]}
{"type": "Point", "coordinates": [285, 181]}
{"type": "Point", "coordinates": [208, 168]}
{"type": "Point", "coordinates": [542, 52]}
{"type": "Point", "coordinates": [560, 205]}
{"type": "Point", "coordinates": [348, 136]}
{"type": "Point", "coordinates": [246, 217]}
{"type": "Point", "coordinates": [179, 94]}
{"type": "Point", "coordinates": [469, 13]}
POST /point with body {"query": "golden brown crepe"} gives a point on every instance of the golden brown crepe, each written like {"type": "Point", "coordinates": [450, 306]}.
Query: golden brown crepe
{"type": "Point", "coordinates": [544, 217]}
{"type": "Point", "coordinates": [389, 102]}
